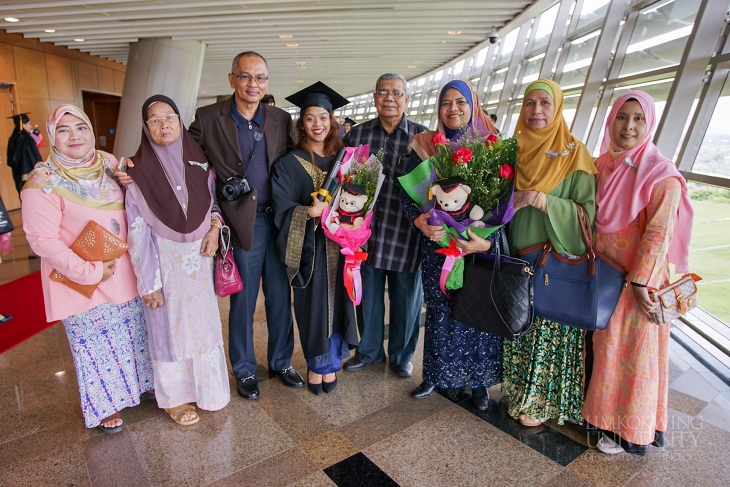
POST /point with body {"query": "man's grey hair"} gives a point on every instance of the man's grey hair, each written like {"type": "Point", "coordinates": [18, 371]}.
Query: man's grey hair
{"type": "Point", "coordinates": [393, 76]}
{"type": "Point", "coordinates": [245, 54]}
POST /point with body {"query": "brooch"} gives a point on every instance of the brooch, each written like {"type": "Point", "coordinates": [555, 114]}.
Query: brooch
{"type": "Point", "coordinates": [204, 165]}
{"type": "Point", "coordinates": [568, 149]}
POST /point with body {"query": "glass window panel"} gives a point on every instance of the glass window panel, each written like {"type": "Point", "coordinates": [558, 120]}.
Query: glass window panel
{"type": "Point", "coordinates": [713, 156]}
{"type": "Point", "coordinates": [709, 252]}
{"type": "Point", "coordinates": [531, 71]}
{"type": "Point", "coordinates": [580, 55]}
{"type": "Point", "coordinates": [439, 74]}
{"type": "Point", "coordinates": [482, 57]}
{"type": "Point", "coordinates": [659, 36]}
{"type": "Point", "coordinates": [513, 121]}
{"type": "Point", "coordinates": [508, 46]}
{"type": "Point", "coordinates": [497, 86]}
{"type": "Point", "coordinates": [545, 25]}
{"type": "Point", "coordinates": [570, 104]}
{"type": "Point", "coordinates": [591, 11]}
{"type": "Point", "coordinates": [459, 67]}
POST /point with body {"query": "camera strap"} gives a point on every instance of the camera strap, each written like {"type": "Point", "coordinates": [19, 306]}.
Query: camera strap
{"type": "Point", "coordinates": [256, 137]}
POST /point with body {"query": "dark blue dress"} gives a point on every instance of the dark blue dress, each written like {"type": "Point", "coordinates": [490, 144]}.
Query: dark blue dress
{"type": "Point", "coordinates": [455, 355]}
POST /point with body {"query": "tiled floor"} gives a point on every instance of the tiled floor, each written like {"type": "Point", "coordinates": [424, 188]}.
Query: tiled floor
{"type": "Point", "coordinates": [370, 432]}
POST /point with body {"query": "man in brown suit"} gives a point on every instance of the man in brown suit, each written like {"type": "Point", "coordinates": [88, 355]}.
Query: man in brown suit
{"type": "Point", "coordinates": [243, 137]}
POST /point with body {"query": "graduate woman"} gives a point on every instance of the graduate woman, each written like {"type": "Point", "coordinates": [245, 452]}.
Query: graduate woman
{"type": "Point", "coordinates": [324, 313]}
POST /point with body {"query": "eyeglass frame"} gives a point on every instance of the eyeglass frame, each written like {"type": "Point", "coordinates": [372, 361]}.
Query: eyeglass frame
{"type": "Point", "coordinates": [256, 78]}
{"type": "Point", "coordinates": [396, 94]}
{"type": "Point", "coordinates": [154, 122]}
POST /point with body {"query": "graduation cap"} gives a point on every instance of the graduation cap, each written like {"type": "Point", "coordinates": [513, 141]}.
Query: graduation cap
{"type": "Point", "coordinates": [449, 184]}
{"type": "Point", "coordinates": [318, 95]}
{"type": "Point", "coordinates": [353, 188]}
{"type": "Point", "coordinates": [350, 121]}
{"type": "Point", "coordinates": [21, 116]}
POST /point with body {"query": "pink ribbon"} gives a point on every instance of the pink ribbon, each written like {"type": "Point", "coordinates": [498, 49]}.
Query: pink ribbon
{"type": "Point", "coordinates": [353, 281]}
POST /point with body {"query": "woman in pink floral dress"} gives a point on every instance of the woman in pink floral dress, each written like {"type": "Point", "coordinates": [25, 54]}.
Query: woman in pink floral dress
{"type": "Point", "coordinates": [642, 205]}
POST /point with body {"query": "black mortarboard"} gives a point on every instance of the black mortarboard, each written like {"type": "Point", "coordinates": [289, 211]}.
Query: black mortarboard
{"type": "Point", "coordinates": [350, 121]}
{"type": "Point", "coordinates": [318, 95]}
{"type": "Point", "coordinates": [449, 184]}
{"type": "Point", "coordinates": [353, 188]}
{"type": "Point", "coordinates": [18, 117]}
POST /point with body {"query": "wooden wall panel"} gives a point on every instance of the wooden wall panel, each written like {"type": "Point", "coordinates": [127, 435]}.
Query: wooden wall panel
{"type": "Point", "coordinates": [88, 78]}
{"type": "Point", "coordinates": [7, 67]}
{"type": "Point", "coordinates": [30, 73]}
{"type": "Point", "coordinates": [60, 78]}
{"type": "Point", "coordinates": [119, 82]}
{"type": "Point", "coordinates": [106, 79]}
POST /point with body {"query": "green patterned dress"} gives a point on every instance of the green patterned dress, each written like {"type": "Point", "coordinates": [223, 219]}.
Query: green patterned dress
{"type": "Point", "coordinates": [543, 371]}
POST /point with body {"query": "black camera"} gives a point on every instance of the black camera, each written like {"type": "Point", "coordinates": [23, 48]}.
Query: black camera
{"type": "Point", "coordinates": [235, 187]}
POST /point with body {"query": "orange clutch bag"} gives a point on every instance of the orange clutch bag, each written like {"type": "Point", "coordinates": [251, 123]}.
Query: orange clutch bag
{"type": "Point", "coordinates": [93, 243]}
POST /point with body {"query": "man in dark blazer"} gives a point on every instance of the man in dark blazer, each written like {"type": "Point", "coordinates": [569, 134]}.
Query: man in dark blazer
{"type": "Point", "coordinates": [243, 137]}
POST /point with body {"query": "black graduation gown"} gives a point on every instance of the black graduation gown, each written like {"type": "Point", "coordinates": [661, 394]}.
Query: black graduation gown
{"type": "Point", "coordinates": [23, 155]}
{"type": "Point", "coordinates": [314, 263]}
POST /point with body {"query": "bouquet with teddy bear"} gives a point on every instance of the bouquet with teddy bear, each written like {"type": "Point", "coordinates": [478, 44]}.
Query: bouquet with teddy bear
{"type": "Point", "coordinates": [348, 222]}
{"type": "Point", "coordinates": [466, 184]}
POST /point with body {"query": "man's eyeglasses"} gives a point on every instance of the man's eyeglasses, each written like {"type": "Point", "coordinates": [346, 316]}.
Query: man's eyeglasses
{"type": "Point", "coordinates": [154, 122]}
{"type": "Point", "coordinates": [385, 93]}
{"type": "Point", "coordinates": [245, 77]}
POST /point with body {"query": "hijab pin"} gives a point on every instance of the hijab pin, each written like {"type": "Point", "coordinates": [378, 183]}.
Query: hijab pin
{"type": "Point", "coordinates": [629, 162]}
{"type": "Point", "coordinates": [204, 165]}
{"type": "Point", "coordinates": [568, 149]}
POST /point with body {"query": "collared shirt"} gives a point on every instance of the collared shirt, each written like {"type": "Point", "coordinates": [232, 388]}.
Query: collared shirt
{"type": "Point", "coordinates": [257, 171]}
{"type": "Point", "coordinates": [394, 243]}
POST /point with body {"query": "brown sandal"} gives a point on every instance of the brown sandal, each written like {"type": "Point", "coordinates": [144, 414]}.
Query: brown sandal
{"type": "Point", "coordinates": [178, 412]}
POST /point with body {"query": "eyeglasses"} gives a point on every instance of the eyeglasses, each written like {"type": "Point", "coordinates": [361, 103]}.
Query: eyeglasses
{"type": "Point", "coordinates": [385, 93]}
{"type": "Point", "coordinates": [154, 122]}
{"type": "Point", "coordinates": [245, 77]}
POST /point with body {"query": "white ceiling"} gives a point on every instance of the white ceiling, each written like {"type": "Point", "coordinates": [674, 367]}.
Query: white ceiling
{"type": "Point", "coordinates": [346, 44]}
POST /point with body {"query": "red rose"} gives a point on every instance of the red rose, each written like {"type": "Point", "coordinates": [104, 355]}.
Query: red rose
{"type": "Point", "coordinates": [438, 139]}
{"type": "Point", "coordinates": [462, 156]}
{"type": "Point", "coordinates": [491, 140]}
{"type": "Point", "coordinates": [506, 172]}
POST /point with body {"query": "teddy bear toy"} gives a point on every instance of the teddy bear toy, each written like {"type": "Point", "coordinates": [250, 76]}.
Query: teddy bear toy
{"type": "Point", "coordinates": [452, 197]}
{"type": "Point", "coordinates": [351, 212]}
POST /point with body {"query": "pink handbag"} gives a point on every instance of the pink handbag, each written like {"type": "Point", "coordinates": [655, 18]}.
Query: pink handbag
{"type": "Point", "coordinates": [226, 278]}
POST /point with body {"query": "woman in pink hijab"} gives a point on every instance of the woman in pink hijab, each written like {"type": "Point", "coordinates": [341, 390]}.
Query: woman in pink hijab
{"type": "Point", "coordinates": [643, 222]}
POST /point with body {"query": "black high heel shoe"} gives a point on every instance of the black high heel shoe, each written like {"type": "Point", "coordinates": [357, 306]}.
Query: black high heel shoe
{"type": "Point", "coordinates": [315, 389]}
{"type": "Point", "coordinates": [329, 387]}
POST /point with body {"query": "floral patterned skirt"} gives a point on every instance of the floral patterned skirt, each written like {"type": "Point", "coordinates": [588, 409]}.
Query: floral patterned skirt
{"type": "Point", "coordinates": [111, 355]}
{"type": "Point", "coordinates": [543, 373]}
{"type": "Point", "coordinates": [202, 379]}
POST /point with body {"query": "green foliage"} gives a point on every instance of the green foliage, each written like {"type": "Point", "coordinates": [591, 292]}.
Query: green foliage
{"type": "Point", "coordinates": [365, 171]}
{"type": "Point", "coordinates": [705, 193]}
{"type": "Point", "coordinates": [482, 172]}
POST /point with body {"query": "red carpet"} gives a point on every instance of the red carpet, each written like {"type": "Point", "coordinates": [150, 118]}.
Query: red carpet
{"type": "Point", "coordinates": [22, 298]}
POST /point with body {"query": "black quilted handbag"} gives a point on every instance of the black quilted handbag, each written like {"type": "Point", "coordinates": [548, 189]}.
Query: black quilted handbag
{"type": "Point", "coordinates": [497, 293]}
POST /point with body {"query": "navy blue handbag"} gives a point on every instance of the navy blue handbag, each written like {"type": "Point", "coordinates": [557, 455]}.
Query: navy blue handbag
{"type": "Point", "coordinates": [581, 292]}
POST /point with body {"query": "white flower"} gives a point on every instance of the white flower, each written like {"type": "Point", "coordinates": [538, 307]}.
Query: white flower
{"type": "Point", "coordinates": [138, 223]}
{"type": "Point", "coordinates": [191, 263]}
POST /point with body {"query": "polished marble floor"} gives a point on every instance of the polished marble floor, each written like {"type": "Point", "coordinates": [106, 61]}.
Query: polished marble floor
{"type": "Point", "coordinates": [370, 432]}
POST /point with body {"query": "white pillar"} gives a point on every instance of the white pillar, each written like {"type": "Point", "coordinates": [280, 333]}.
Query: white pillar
{"type": "Point", "coordinates": [157, 67]}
